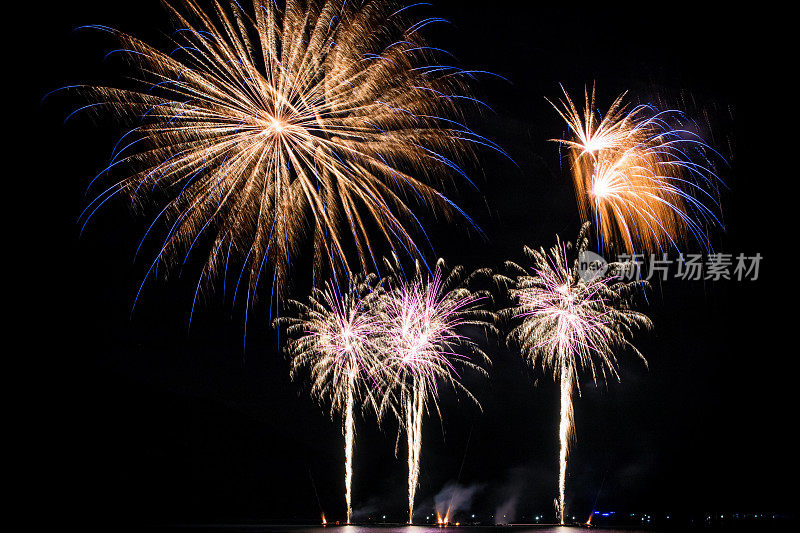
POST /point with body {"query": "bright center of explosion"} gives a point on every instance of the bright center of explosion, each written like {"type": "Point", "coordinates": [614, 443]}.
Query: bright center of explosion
{"type": "Point", "coordinates": [600, 188]}
{"type": "Point", "coordinates": [593, 145]}
{"type": "Point", "coordinates": [347, 339]}
{"type": "Point", "coordinates": [274, 125]}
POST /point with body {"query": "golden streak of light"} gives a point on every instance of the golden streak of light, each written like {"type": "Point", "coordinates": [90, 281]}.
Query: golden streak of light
{"type": "Point", "coordinates": [564, 432]}
{"type": "Point", "coordinates": [349, 431]}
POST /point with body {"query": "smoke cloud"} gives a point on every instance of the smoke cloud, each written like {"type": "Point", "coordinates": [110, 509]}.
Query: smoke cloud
{"type": "Point", "coordinates": [454, 498]}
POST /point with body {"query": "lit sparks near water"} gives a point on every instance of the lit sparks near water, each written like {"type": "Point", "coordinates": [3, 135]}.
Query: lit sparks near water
{"type": "Point", "coordinates": [422, 318]}
{"type": "Point", "coordinates": [307, 121]}
{"type": "Point", "coordinates": [646, 180]}
{"type": "Point", "coordinates": [334, 341]}
{"type": "Point", "coordinates": [568, 325]}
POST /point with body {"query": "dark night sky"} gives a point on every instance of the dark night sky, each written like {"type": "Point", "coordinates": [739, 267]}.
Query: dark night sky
{"type": "Point", "coordinates": [132, 417]}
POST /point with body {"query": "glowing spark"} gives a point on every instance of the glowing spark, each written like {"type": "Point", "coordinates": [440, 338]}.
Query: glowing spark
{"type": "Point", "coordinates": [567, 324]}
{"type": "Point", "coordinates": [334, 339]}
{"type": "Point", "coordinates": [647, 181]}
{"type": "Point", "coordinates": [420, 321]}
{"type": "Point", "coordinates": [264, 129]}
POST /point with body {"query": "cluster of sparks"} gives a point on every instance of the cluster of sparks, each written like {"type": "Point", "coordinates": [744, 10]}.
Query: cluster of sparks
{"type": "Point", "coordinates": [645, 179]}
{"type": "Point", "coordinates": [263, 130]}
{"type": "Point", "coordinates": [444, 521]}
{"type": "Point", "coordinates": [388, 346]}
{"type": "Point", "coordinates": [568, 324]}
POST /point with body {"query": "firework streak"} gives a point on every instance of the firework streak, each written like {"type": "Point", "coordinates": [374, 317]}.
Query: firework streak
{"type": "Point", "coordinates": [389, 346]}
{"type": "Point", "coordinates": [423, 346]}
{"type": "Point", "coordinates": [334, 342]}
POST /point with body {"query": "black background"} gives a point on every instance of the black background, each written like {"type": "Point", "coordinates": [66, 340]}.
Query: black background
{"type": "Point", "coordinates": [136, 418]}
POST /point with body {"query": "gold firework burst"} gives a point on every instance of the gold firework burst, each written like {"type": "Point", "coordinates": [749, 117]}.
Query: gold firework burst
{"type": "Point", "coordinates": [321, 121]}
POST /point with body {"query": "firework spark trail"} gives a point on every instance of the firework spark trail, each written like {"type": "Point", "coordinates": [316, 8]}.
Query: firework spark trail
{"type": "Point", "coordinates": [349, 436]}
{"type": "Point", "coordinates": [422, 346]}
{"type": "Point", "coordinates": [564, 433]}
{"type": "Point", "coordinates": [415, 408]}
{"type": "Point", "coordinates": [647, 180]}
{"type": "Point", "coordinates": [334, 339]}
{"type": "Point", "coordinates": [566, 324]}
{"type": "Point", "coordinates": [264, 129]}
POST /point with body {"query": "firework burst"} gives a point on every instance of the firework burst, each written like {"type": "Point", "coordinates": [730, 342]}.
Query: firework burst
{"type": "Point", "coordinates": [643, 177]}
{"type": "Point", "coordinates": [261, 131]}
{"type": "Point", "coordinates": [334, 342]}
{"type": "Point", "coordinates": [569, 324]}
{"type": "Point", "coordinates": [424, 349]}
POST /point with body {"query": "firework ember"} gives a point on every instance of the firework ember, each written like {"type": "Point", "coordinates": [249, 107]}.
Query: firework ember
{"type": "Point", "coordinates": [569, 325]}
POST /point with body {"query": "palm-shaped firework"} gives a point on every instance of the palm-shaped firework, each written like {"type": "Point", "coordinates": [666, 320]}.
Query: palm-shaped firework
{"type": "Point", "coordinates": [424, 345]}
{"type": "Point", "coordinates": [569, 323]}
{"type": "Point", "coordinates": [312, 119]}
{"type": "Point", "coordinates": [644, 177]}
{"type": "Point", "coordinates": [334, 342]}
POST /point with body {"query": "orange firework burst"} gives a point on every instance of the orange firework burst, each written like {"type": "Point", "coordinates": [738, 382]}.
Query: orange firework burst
{"type": "Point", "coordinates": [315, 121]}
{"type": "Point", "coordinates": [646, 179]}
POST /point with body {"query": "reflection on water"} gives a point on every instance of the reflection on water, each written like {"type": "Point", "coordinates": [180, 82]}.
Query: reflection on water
{"type": "Point", "coordinates": [413, 529]}
{"type": "Point", "coordinates": [472, 529]}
